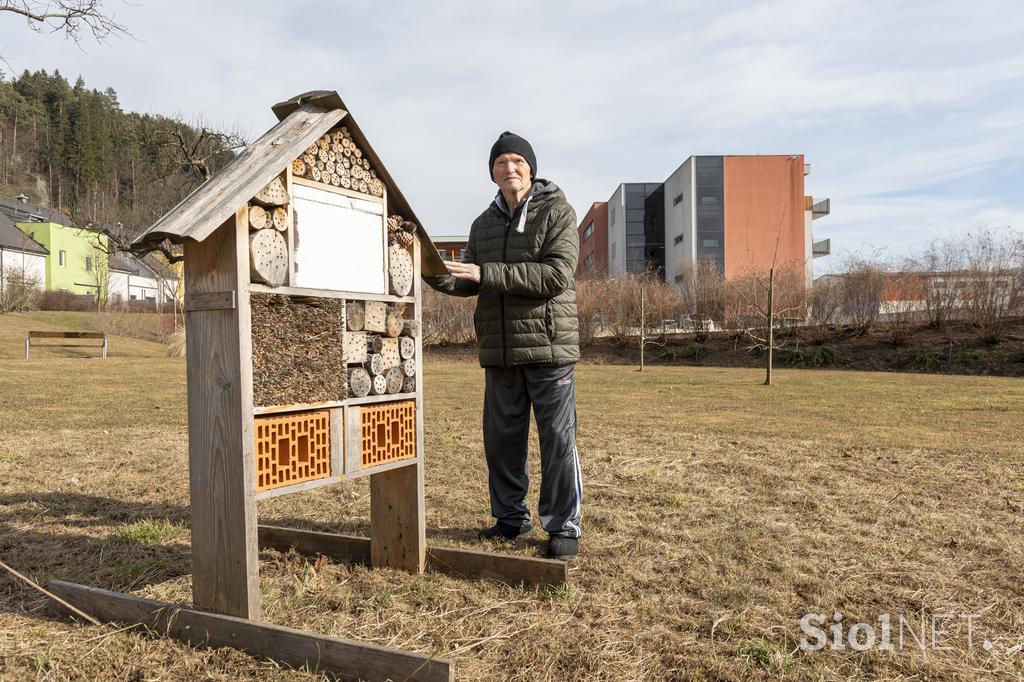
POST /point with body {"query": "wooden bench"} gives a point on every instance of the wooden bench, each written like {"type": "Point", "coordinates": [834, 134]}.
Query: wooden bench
{"type": "Point", "coordinates": [98, 336]}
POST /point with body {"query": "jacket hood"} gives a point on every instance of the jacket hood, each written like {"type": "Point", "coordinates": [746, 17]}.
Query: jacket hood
{"type": "Point", "coordinates": [541, 189]}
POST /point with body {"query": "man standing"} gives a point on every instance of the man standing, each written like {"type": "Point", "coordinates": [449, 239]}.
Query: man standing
{"type": "Point", "coordinates": [520, 262]}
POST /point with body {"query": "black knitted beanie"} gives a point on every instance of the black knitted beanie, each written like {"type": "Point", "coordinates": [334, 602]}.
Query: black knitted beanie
{"type": "Point", "coordinates": [510, 143]}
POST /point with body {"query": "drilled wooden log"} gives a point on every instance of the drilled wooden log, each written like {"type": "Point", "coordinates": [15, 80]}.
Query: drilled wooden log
{"type": "Point", "coordinates": [362, 187]}
{"type": "Point", "coordinates": [401, 270]}
{"type": "Point", "coordinates": [315, 173]}
{"type": "Point", "coordinates": [409, 385]}
{"type": "Point", "coordinates": [298, 167]}
{"type": "Point", "coordinates": [274, 194]}
{"type": "Point", "coordinates": [409, 368]}
{"type": "Point", "coordinates": [359, 382]}
{"type": "Point", "coordinates": [407, 347]}
{"type": "Point", "coordinates": [323, 143]}
{"type": "Point", "coordinates": [375, 364]}
{"type": "Point", "coordinates": [355, 315]}
{"type": "Point", "coordinates": [376, 316]}
{"type": "Point", "coordinates": [257, 217]}
{"type": "Point", "coordinates": [346, 182]}
{"type": "Point", "coordinates": [279, 218]}
{"type": "Point", "coordinates": [268, 257]}
{"type": "Point", "coordinates": [395, 378]}
{"type": "Point", "coordinates": [380, 385]}
{"type": "Point", "coordinates": [374, 343]}
{"type": "Point", "coordinates": [354, 350]}
{"type": "Point", "coordinates": [393, 323]}
{"type": "Point", "coordinates": [389, 353]}
{"type": "Point", "coordinates": [336, 180]}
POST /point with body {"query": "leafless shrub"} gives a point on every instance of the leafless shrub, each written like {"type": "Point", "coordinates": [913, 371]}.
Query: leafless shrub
{"type": "Point", "coordinates": [447, 319]}
{"type": "Point", "coordinates": [702, 290]}
{"type": "Point", "coordinates": [902, 306]}
{"type": "Point", "coordinates": [824, 300]}
{"type": "Point", "coordinates": [939, 266]}
{"type": "Point", "coordinates": [591, 304]}
{"type": "Point", "coordinates": [20, 291]}
{"type": "Point", "coordinates": [991, 283]}
{"type": "Point", "coordinates": [747, 300]}
{"type": "Point", "coordinates": [862, 291]}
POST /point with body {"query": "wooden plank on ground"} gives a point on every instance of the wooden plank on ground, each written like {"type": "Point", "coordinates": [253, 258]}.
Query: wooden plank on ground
{"type": "Point", "coordinates": [464, 563]}
{"type": "Point", "coordinates": [348, 659]}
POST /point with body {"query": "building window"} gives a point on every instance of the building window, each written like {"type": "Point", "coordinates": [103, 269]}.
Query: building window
{"type": "Point", "coordinates": [611, 214]}
{"type": "Point", "coordinates": [88, 263]}
{"type": "Point", "coordinates": [678, 238]}
{"type": "Point", "coordinates": [588, 232]}
{"type": "Point", "coordinates": [613, 251]}
{"type": "Point", "coordinates": [588, 262]}
{"type": "Point", "coordinates": [62, 258]}
{"type": "Point", "coordinates": [443, 253]}
{"type": "Point", "coordinates": [678, 199]}
{"type": "Point", "coordinates": [709, 243]}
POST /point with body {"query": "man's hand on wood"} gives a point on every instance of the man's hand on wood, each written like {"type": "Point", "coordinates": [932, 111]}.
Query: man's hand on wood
{"type": "Point", "coordinates": [469, 271]}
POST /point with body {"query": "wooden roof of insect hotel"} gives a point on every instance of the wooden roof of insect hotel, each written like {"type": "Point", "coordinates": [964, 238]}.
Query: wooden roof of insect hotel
{"type": "Point", "coordinates": [302, 120]}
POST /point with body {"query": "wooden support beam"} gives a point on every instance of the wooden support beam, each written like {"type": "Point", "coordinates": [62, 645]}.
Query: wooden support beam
{"type": "Point", "coordinates": [463, 563]}
{"type": "Point", "coordinates": [348, 659]}
{"type": "Point", "coordinates": [398, 536]}
{"type": "Point", "coordinates": [222, 478]}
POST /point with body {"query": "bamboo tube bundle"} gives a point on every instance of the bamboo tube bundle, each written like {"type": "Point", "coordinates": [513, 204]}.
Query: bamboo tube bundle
{"type": "Point", "coordinates": [409, 385]}
{"type": "Point", "coordinates": [393, 323]}
{"type": "Point", "coordinates": [323, 143]}
{"type": "Point", "coordinates": [268, 257]}
{"type": "Point", "coordinates": [359, 382]}
{"type": "Point", "coordinates": [400, 269]}
{"type": "Point", "coordinates": [355, 348]}
{"type": "Point", "coordinates": [308, 160]}
{"type": "Point", "coordinates": [380, 385]}
{"type": "Point", "coordinates": [257, 217]}
{"type": "Point", "coordinates": [375, 364]}
{"type": "Point", "coordinates": [355, 315]}
{"type": "Point", "coordinates": [395, 379]}
{"type": "Point", "coordinates": [315, 174]}
{"type": "Point", "coordinates": [407, 347]}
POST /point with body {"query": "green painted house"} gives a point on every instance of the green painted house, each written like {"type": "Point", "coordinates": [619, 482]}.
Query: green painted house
{"type": "Point", "coordinates": [77, 260]}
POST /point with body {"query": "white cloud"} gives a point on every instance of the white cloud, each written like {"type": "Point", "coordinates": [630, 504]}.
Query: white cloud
{"type": "Point", "coordinates": [902, 108]}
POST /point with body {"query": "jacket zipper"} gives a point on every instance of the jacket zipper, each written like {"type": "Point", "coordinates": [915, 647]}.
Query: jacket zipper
{"type": "Point", "coordinates": [504, 259]}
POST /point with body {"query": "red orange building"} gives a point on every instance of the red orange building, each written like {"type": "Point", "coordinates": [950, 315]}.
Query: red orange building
{"type": "Point", "coordinates": [740, 212]}
{"type": "Point", "coordinates": [593, 235]}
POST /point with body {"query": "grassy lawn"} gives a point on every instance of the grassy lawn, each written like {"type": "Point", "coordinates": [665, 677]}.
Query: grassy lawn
{"type": "Point", "coordinates": [717, 513]}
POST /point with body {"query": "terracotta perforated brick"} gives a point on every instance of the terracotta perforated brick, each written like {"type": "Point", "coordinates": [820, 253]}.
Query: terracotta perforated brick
{"type": "Point", "coordinates": [292, 448]}
{"type": "Point", "coordinates": [389, 432]}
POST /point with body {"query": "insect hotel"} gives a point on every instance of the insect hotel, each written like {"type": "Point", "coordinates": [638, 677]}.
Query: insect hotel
{"type": "Point", "coordinates": [304, 353]}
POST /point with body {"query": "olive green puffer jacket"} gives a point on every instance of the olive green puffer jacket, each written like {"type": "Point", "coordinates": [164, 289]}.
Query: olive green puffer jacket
{"type": "Point", "coordinates": [526, 306]}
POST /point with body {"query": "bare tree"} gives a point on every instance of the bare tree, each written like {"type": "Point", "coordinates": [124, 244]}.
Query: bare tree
{"type": "Point", "coordinates": [991, 281]}
{"type": "Point", "coordinates": [862, 292]}
{"type": "Point", "coordinates": [69, 17]}
{"type": "Point", "coordinates": [703, 296]}
{"type": "Point", "coordinates": [939, 266]}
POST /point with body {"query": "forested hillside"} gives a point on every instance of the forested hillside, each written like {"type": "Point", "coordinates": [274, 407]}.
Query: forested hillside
{"type": "Point", "coordinates": [73, 148]}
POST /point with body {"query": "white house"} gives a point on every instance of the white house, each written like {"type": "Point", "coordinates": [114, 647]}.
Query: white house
{"type": "Point", "coordinates": [132, 279]}
{"type": "Point", "coordinates": [20, 256]}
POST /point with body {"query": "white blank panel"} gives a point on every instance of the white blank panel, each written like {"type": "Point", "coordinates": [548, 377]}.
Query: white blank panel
{"type": "Point", "coordinates": [342, 242]}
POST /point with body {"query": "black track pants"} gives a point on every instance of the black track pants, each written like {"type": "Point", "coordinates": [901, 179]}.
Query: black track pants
{"type": "Point", "coordinates": [508, 395]}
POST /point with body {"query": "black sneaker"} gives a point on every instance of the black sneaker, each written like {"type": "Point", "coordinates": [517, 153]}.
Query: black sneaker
{"type": "Point", "coordinates": [563, 548]}
{"type": "Point", "coordinates": [503, 531]}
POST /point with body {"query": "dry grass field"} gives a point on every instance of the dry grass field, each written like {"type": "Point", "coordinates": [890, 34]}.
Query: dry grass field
{"type": "Point", "coordinates": [717, 513]}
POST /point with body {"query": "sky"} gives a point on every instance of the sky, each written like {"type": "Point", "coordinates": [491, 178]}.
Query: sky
{"type": "Point", "coordinates": [911, 114]}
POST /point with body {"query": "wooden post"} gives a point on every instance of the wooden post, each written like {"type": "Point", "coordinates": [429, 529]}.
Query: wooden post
{"type": "Point", "coordinates": [398, 537]}
{"type": "Point", "coordinates": [643, 325]}
{"type": "Point", "coordinates": [771, 326]}
{"type": "Point", "coordinates": [27, 345]}
{"type": "Point", "coordinates": [103, 348]}
{"type": "Point", "coordinates": [225, 571]}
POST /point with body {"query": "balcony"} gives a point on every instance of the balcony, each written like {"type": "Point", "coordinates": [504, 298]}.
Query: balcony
{"type": "Point", "coordinates": [822, 247]}
{"type": "Point", "coordinates": [820, 209]}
